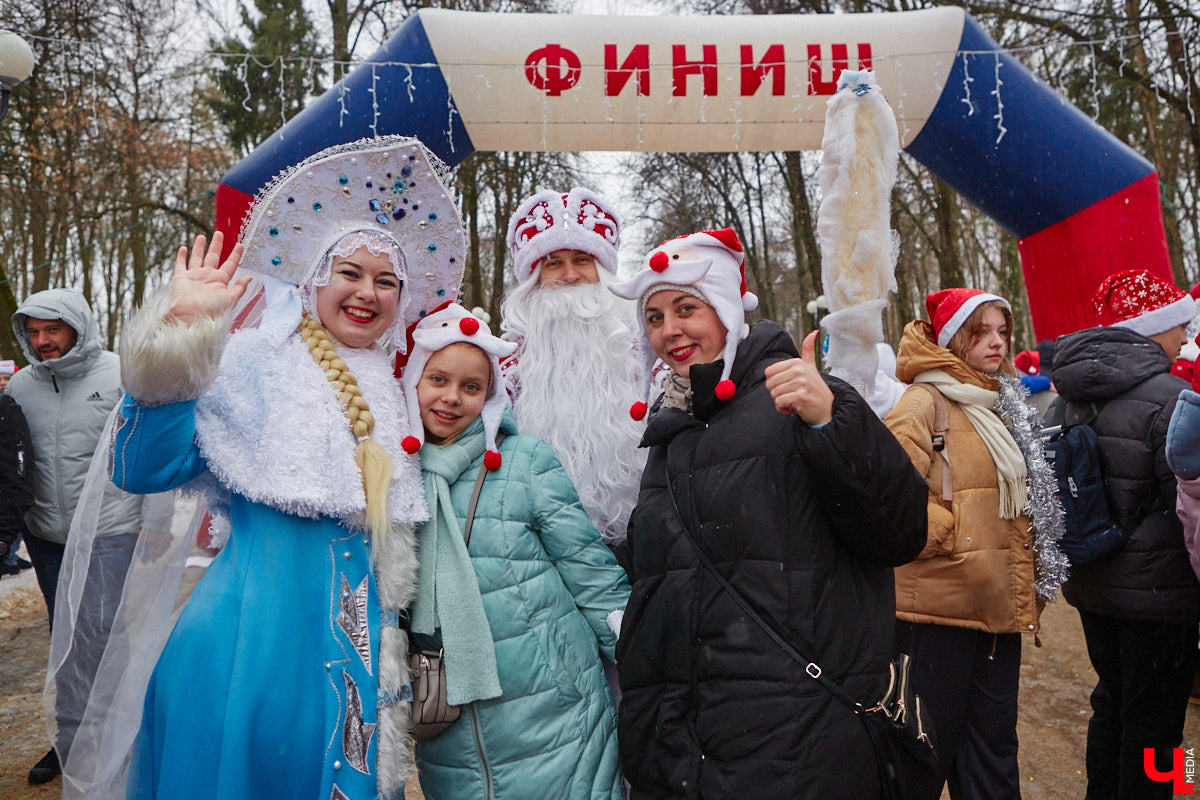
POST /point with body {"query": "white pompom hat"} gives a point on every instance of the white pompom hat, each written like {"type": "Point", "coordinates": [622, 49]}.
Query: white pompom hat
{"type": "Point", "coordinates": [708, 262]}
{"type": "Point", "coordinates": [444, 327]}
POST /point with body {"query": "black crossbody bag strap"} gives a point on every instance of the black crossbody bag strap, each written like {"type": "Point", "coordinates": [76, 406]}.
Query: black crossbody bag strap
{"type": "Point", "coordinates": [811, 668]}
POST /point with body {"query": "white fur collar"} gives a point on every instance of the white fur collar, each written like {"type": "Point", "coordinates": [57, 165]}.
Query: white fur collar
{"type": "Point", "coordinates": [271, 429]}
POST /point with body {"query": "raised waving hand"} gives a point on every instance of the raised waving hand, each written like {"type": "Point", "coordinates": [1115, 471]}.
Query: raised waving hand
{"type": "Point", "coordinates": [203, 285]}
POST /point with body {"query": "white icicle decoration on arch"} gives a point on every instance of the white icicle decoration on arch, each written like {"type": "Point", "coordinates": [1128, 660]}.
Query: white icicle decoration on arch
{"type": "Point", "coordinates": [860, 148]}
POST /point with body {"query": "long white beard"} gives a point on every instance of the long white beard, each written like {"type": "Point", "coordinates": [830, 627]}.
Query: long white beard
{"type": "Point", "coordinates": [576, 375]}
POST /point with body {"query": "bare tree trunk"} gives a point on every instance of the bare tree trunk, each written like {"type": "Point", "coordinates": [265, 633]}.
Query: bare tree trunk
{"type": "Point", "coordinates": [340, 19]}
{"type": "Point", "coordinates": [499, 249]}
{"type": "Point", "coordinates": [804, 235]}
{"type": "Point", "coordinates": [1169, 166]}
{"type": "Point", "coordinates": [950, 270]}
{"type": "Point", "coordinates": [468, 175]}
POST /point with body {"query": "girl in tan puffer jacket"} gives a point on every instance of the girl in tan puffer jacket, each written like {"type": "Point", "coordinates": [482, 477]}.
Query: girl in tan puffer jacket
{"type": "Point", "coordinates": [963, 604]}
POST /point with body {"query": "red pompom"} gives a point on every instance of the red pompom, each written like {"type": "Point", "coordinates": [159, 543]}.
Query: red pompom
{"type": "Point", "coordinates": [659, 261]}
{"type": "Point", "coordinates": [468, 325]}
{"type": "Point", "coordinates": [491, 460]}
{"type": "Point", "coordinates": [638, 411]}
{"type": "Point", "coordinates": [725, 389]}
{"type": "Point", "coordinates": [411, 444]}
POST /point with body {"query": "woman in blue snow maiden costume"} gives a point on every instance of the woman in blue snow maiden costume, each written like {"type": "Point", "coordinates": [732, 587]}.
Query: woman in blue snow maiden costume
{"type": "Point", "coordinates": [285, 673]}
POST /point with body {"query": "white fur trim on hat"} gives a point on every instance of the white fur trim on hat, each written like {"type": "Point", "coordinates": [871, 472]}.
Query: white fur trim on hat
{"type": "Point", "coordinates": [1162, 318]}
{"type": "Point", "coordinates": [710, 261]}
{"type": "Point", "coordinates": [441, 329]}
{"type": "Point", "coordinates": [960, 316]}
{"type": "Point", "coordinates": [549, 221]}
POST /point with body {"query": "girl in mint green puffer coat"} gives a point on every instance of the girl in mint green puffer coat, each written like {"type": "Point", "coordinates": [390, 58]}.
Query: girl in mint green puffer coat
{"type": "Point", "coordinates": [525, 610]}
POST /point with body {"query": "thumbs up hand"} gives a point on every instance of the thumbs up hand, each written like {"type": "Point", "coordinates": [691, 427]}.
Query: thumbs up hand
{"type": "Point", "coordinates": [797, 387]}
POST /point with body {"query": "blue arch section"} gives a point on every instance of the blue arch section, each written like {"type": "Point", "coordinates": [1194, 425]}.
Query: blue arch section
{"type": "Point", "coordinates": [429, 115]}
{"type": "Point", "coordinates": [1052, 161]}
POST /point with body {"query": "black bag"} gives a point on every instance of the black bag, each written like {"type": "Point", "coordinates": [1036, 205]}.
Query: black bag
{"type": "Point", "coordinates": [1091, 533]}
{"type": "Point", "coordinates": [901, 738]}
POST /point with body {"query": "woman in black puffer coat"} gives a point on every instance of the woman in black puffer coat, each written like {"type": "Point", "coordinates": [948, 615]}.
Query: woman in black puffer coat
{"type": "Point", "coordinates": [804, 514]}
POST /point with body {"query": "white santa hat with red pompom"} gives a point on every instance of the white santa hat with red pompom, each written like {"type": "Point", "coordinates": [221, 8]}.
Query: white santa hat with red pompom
{"type": "Point", "coordinates": [711, 263]}
{"type": "Point", "coordinates": [550, 221]}
{"type": "Point", "coordinates": [949, 309]}
{"type": "Point", "coordinates": [451, 325]}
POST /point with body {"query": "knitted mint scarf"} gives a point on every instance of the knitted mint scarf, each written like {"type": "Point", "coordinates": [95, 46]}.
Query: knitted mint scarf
{"type": "Point", "coordinates": [447, 590]}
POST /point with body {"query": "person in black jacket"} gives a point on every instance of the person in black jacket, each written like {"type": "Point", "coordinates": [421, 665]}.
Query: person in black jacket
{"type": "Point", "coordinates": [1140, 606]}
{"type": "Point", "coordinates": [16, 472]}
{"type": "Point", "coordinates": [804, 512]}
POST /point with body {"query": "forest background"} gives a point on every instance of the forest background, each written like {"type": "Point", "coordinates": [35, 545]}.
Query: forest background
{"type": "Point", "coordinates": [112, 150]}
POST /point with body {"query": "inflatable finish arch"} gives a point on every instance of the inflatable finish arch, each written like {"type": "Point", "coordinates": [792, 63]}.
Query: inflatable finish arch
{"type": "Point", "coordinates": [1081, 203]}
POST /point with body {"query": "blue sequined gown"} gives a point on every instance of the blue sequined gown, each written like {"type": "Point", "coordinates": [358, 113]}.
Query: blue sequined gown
{"type": "Point", "coordinates": [267, 685]}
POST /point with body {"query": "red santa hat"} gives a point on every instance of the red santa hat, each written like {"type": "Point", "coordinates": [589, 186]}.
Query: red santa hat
{"type": "Point", "coordinates": [450, 325]}
{"type": "Point", "coordinates": [1185, 365]}
{"type": "Point", "coordinates": [550, 221]}
{"type": "Point", "coordinates": [1142, 302]}
{"type": "Point", "coordinates": [710, 264]}
{"type": "Point", "coordinates": [1028, 362]}
{"type": "Point", "coordinates": [950, 308]}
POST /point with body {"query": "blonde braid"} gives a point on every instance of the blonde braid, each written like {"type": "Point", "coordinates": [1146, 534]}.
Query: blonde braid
{"type": "Point", "coordinates": [373, 461]}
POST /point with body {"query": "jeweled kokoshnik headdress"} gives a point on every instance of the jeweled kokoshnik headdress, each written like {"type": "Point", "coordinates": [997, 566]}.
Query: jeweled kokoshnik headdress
{"type": "Point", "coordinates": [392, 185]}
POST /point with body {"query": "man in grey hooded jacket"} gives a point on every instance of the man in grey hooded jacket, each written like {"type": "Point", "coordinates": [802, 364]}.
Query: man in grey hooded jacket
{"type": "Point", "coordinates": [67, 394]}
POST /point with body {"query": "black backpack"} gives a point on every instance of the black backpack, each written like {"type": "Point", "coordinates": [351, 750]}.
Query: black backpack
{"type": "Point", "coordinates": [1073, 452]}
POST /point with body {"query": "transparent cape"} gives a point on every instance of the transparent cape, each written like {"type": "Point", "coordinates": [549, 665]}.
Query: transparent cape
{"type": "Point", "coordinates": [98, 760]}
{"type": "Point", "coordinates": [160, 577]}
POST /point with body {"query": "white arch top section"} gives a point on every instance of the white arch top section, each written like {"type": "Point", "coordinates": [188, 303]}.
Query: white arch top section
{"type": "Point", "coordinates": [681, 83]}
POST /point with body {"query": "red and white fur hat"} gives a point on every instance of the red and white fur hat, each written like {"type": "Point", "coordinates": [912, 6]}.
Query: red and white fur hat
{"type": "Point", "coordinates": [550, 221]}
{"type": "Point", "coordinates": [711, 263]}
{"type": "Point", "coordinates": [447, 326]}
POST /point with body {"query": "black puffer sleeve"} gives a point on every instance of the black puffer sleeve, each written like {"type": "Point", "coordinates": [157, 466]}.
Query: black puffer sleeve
{"type": "Point", "coordinates": [865, 483]}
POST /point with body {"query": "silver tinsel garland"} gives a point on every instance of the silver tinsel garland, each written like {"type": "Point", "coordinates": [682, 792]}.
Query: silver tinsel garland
{"type": "Point", "coordinates": [1041, 505]}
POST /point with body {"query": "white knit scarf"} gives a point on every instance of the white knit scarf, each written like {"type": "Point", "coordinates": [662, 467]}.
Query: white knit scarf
{"type": "Point", "coordinates": [977, 403]}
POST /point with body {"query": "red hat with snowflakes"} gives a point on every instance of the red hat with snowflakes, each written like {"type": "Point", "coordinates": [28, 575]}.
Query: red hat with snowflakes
{"type": "Point", "coordinates": [709, 264]}
{"type": "Point", "coordinates": [1142, 302]}
{"type": "Point", "coordinates": [950, 308]}
{"type": "Point", "coordinates": [440, 329]}
{"type": "Point", "coordinates": [1028, 362]}
{"type": "Point", "coordinates": [550, 221]}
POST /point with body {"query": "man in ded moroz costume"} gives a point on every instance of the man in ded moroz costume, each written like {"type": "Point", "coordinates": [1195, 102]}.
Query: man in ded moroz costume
{"type": "Point", "coordinates": [285, 674]}
{"type": "Point", "coordinates": [573, 369]}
